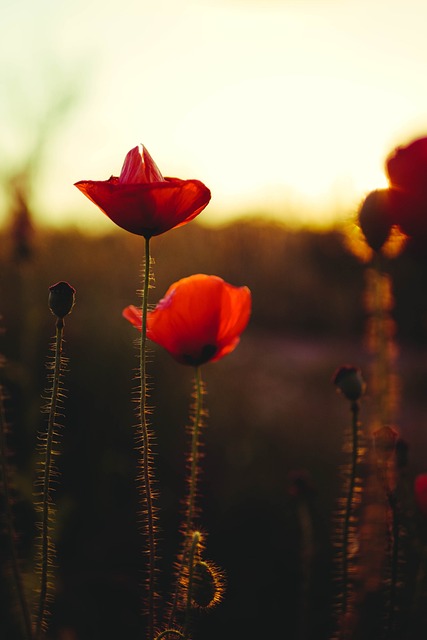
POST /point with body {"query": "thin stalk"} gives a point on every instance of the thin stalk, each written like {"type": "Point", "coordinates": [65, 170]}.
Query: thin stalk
{"type": "Point", "coordinates": [194, 455]}
{"type": "Point", "coordinates": [143, 437]}
{"type": "Point", "coordinates": [349, 507]}
{"type": "Point", "coordinates": [17, 578]}
{"type": "Point", "coordinates": [46, 543]}
{"type": "Point", "coordinates": [193, 459]}
{"type": "Point", "coordinates": [191, 554]}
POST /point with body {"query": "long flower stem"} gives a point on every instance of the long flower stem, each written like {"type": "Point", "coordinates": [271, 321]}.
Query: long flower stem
{"type": "Point", "coordinates": [191, 557]}
{"type": "Point", "coordinates": [143, 437]}
{"type": "Point", "coordinates": [349, 508]}
{"type": "Point", "coordinates": [46, 542]}
{"type": "Point", "coordinates": [193, 459]}
{"type": "Point", "coordinates": [194, 456]}
{"type": "Point", "coordinates": [17, 578]}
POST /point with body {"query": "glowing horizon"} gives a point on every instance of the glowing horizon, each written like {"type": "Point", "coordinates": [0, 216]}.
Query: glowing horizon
{"type": "Point", "coordinates": [284, 107]}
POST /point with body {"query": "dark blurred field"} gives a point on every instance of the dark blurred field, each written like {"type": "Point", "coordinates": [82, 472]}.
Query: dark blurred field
{"type": "Point", "coordinates": [272, 411]}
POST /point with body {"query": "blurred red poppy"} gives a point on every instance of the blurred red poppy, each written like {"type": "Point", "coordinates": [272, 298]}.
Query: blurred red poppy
{"type": "Point", "coordinates": [420, 490]}
{"type": "Point", "coordinates": [200, 319]}
{"type": "Point", "coordinates": [406, 168]}
{"type": "Point", "coordinates": [142, 201]}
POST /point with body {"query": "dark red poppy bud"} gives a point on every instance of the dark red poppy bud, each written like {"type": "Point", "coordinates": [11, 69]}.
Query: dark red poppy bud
{"type": "Point", "coordinates": [375, 218]}
{"type": "Point", "coordinates": [385, 441]}
{"type": "Point", "coordinates": [348, 379]}
{"type": "Point", "coordinates": [61, 299]}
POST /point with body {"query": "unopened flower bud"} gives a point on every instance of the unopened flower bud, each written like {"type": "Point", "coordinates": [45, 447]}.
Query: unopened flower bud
{"type": "Point", "coordinates": [375, 219]}
{"type": "Point", "coordinates": [385, 441]}
{"type": "Point", "coordinates": [61, 299]}
{"type": "Point", "coordinates": [348, 379]}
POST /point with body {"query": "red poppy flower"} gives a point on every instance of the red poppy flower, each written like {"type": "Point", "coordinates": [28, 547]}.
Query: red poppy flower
{"type": "Point", "coordinates": [406, 167]}
{"type": "Point", "coordinates": [420, 489]}
{"type": "Point", "coordinates": [199, 319]}
{"type": "Point", "coordinates": [142, 201]}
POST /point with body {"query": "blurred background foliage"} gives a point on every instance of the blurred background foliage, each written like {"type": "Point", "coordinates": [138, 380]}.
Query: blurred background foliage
{"type": "Point", "coordinates": [273, 415]}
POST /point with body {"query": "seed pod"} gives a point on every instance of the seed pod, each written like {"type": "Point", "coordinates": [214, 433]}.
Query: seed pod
{"type": "Point", "coordinates": [348, 379]}
{"type": "Point", "coordinates": [61, 299]}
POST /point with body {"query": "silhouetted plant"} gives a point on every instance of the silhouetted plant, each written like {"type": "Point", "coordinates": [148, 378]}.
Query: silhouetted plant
{"type": "Point", "coordinates": [145, 203]}
{"type": "Point", "coordinates": [348, 380]}
{"type": "Point", "coordinates": [200, 319]}
{"type": "Point", "coordinates": [61, 301]}
{"type": "Point", "coordinates": [385, 440]}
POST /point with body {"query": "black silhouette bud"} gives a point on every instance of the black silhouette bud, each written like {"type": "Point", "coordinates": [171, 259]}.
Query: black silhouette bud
{"type": "Point", "coordinates": [61, 299]}
{"type": "Point", "coordinates": [375, 218]}
{"type": "Point", "coordinates": [348, 379]}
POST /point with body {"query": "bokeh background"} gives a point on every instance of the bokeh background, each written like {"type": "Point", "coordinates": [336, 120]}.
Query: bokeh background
{"type": "Point", "coordinates": [286, 110]}
{"type": "Point", "coordinates": [274, 416]}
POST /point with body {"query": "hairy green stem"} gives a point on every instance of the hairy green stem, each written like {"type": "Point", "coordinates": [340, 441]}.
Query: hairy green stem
{"type": "Point", "coordinates": [194, 456]}
{"type": "Point", "coordinates": [143, 436]}
{"type": "Point", "coordinates": [349, 507]}
{"type": "Point", "coordinates": [46, 543]}
{"type": "Point", "coordinates": [192, 484]}
{"type": "Point", "coordinates": [191, 554]}
{"type": "Point", "coordinates": [17, 578]}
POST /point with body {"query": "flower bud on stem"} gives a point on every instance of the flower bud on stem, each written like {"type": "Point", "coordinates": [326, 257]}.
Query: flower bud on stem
{"type": "Point", "coordinates": [61, 301]}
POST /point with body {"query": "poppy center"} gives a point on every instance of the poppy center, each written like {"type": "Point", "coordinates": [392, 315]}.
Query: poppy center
{"type": "Point", "coordinates": [207, 352]}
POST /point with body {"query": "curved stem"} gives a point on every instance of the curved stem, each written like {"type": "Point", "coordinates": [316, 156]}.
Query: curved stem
{"type": "Point", "coordinates": [349, 506]}
{"type": "Point", "coordinates": [10, 527]}
{"type": "Point", "coordinates": [144, 450]}
{"type": "Point", "coordinates": [168, 632]}
{"type": "Point", "coordinates": [46, 543]}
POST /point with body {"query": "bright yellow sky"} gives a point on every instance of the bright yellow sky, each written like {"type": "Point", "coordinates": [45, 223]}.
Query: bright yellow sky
{"type": "Point", "coordinates": [283, 106]}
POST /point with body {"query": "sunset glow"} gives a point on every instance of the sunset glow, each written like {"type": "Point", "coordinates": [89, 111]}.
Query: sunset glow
{"type": "Point", "coordinates": [283, 108]}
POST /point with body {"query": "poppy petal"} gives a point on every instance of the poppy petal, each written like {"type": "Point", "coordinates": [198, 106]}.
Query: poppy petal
{"type": "Point", "coordinates": [141, 201]}
{"type": "Point", "coordinates": [199, 319]}
{"type": "Point", "coordinates": [134, 315]}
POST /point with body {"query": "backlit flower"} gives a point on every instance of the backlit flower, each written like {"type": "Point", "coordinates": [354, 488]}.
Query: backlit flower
{"type": "Point", "coordinates": [142, 201]}
{"type": "Point", "coordinates": [406, 168]}
{"type": "Point", "coordinates": [200, 319]}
